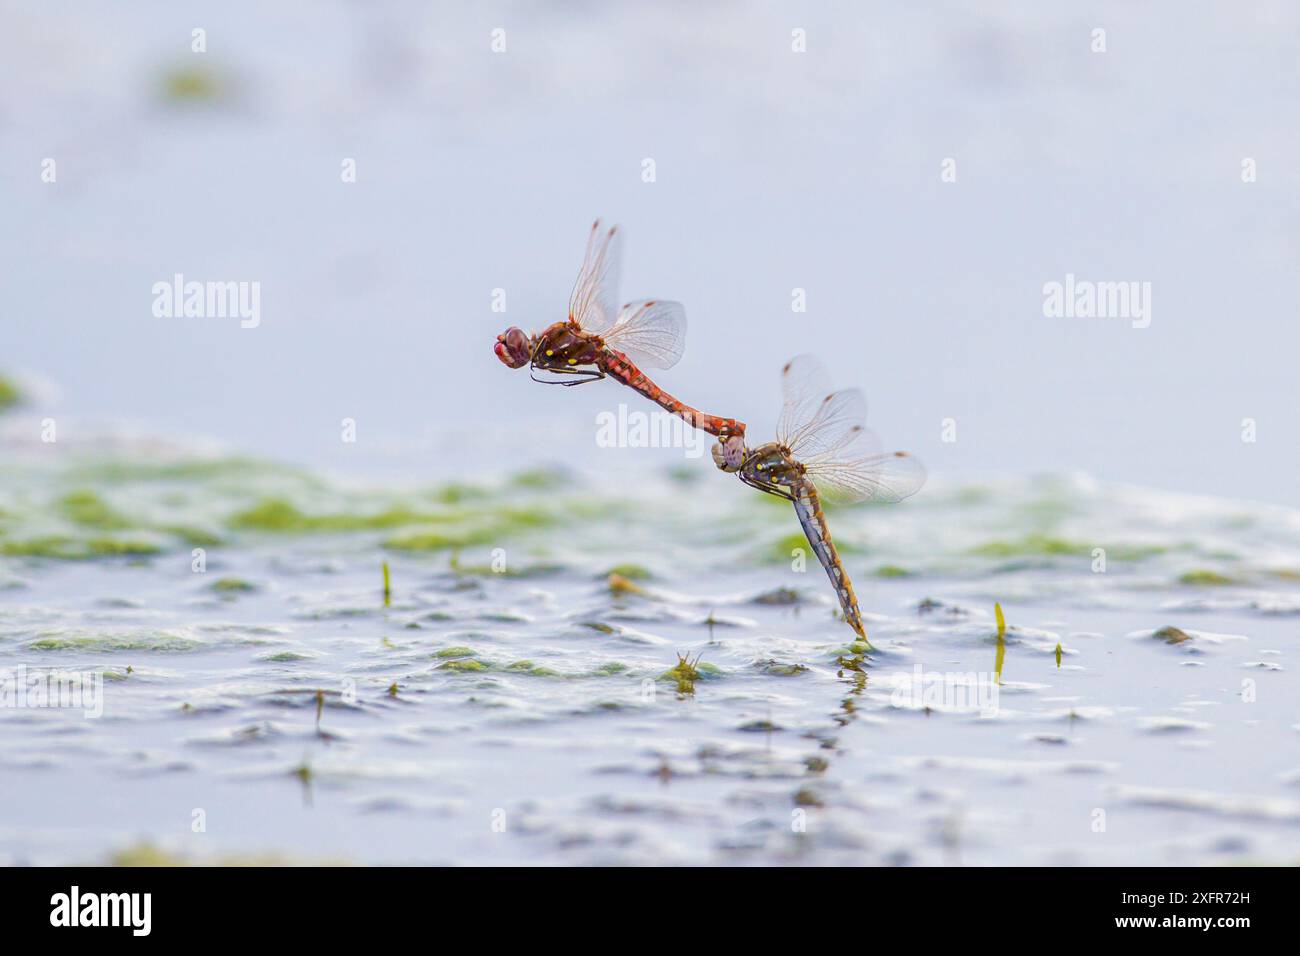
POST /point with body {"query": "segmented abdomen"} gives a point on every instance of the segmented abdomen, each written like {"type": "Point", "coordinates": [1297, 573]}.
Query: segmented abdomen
{"type": "Point", "coordinates": [620, 367]}
{"type": "Point", "coordinates": [808, 507]}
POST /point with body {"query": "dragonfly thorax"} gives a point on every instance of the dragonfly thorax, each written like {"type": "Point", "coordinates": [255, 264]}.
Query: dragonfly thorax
{"type": "Point", "coordinates": [771, 464]}
{"type": "Point", "coordinates": [564, 345]}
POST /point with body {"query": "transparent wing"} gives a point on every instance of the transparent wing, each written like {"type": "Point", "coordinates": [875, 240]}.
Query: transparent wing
{"type": "Point", "coordinates": [860, 473]}
{"type": "Point", "coordinates": [824, 431]}
{"type": "Point", "coordinates": [815, 420]}
{"type": "Point", "coordinates": [594, 301]}
{"type": "Point", "coordinates": [651, 333]}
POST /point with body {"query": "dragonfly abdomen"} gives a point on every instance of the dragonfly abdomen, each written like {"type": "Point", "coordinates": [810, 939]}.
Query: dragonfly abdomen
{"type": "Point", "coordinates": [619, 366]}
{"type": "Point", "coordinates": [807, 505]}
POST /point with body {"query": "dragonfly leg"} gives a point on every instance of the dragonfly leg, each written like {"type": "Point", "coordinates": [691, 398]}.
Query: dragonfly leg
{"type": "Point", "coordinates": [770, 489]}
{"type": "Point", "coordinates": [580, 375]}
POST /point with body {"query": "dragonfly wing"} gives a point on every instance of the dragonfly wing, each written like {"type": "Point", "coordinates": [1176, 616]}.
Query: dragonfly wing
{"type": "Point", "coordinates": [651, 333]}
{"type": "Point", "coordinates": [594, 301]}
{"type": "Point", "coordinates": [824, 431]}
{"type": "Point", "coordinates": [859, 472]}
{"type": "Point", "coordinates": [822, 427]}
{"type": "Point", "coordinates": [810, 407]}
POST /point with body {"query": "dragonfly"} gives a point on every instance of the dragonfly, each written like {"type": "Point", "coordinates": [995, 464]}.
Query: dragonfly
{"type": "Point", "coordinates": [600, 339]}
{"type": "Point", "coordinates": [823, 446]}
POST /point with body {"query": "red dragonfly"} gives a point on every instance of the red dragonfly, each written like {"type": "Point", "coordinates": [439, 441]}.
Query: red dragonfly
{"type": "Point", "coordinates": [822, 445]}
{"type": "Point", "coordinates": [599, 339]}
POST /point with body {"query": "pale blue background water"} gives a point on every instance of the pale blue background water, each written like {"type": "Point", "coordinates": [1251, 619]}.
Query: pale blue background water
{"type": "Point", "coordinates": [775, 170]}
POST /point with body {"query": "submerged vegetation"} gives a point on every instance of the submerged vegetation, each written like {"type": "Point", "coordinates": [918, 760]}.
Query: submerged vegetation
{"type": "Point", "coordinates": [187, 84]}
{"type": "Point", "coordinates": [618, 584]}
{"type": "Point", "coordinates": [685, 673]}
{"type": "Point", "coordinates": [1002, 643]}
{"type": "Point", "coordinates": [1172, 635]}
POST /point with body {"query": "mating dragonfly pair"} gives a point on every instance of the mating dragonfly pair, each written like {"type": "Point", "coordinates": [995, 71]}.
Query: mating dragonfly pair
{"type": "Point", "coordinates": [822, 444]}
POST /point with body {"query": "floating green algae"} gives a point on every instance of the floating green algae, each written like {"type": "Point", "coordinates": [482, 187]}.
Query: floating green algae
{"type": "Point", "coordinates": [541, 479]}
{"type": "Point", "coordinates": [91, 511]}
{"type": "Point", "coordinates": [46, 546]}
{"type": "Point", "coordinates": [286, 657]}
{"type": "Point", "coordinates": [64, 548]}
{"type": "Point", "coordinates": [463, 664]}
{"type": "Point", "coordinates": [10, 395]}
{"type": "Point", "coordinates": [160, 641]}
{"type": "Point", "coordinates": [113, 547]}
{"type": "Point", "coordinates": [892, 571]}
{"type": "Point", "coordinates": [633, 572]}
{"type": "Point", "coordinates": [281, 515]}
{"type": "Point", "coordinates": [1041, 545]}
{"type": "Point", "coordinates": [854, 649]}
{"type": "Point", "coordinates": [456, 493]}
{"type": "Point", "coordinates": [785, 548]}
{"type": "Point", "coordinates": [440, 540]}
{"type": "Point", "coordinates": [185, 470]}
{"type": "Point", "coordinates": [1204, 578]}
{"type": "Point", "coordinates": [187, 534]}
{"type": "Point", "coordinates": [435, 531]}
{"type": "Point", "coordinates": [531, 669]}
{"type": "Point", "coordinates": [232, 586]}
{"type": "Point", "coordinates": [1033, 544]}
{"type": "Point", "coordinates": [778, 669]}
{"type": "Point", "coordinates": [455, 652]}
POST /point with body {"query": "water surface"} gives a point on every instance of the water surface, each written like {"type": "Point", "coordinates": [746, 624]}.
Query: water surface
{"type": "Point", "coordinates": [517, 702]}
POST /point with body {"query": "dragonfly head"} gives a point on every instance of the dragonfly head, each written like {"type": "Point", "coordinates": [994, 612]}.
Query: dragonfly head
{"type": "Point", "coordinates": [514, 347]}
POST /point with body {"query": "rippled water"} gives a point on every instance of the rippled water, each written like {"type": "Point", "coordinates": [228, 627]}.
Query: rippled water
{"type": "Point", "coordinates": [519, 698]}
